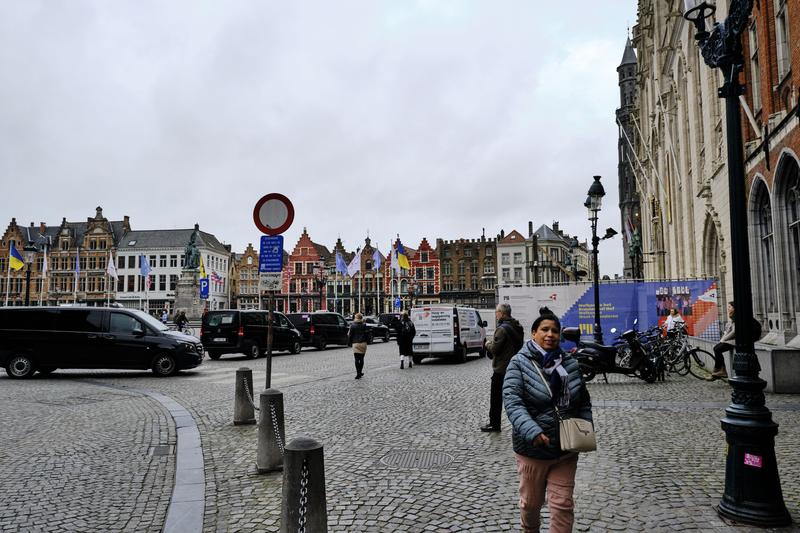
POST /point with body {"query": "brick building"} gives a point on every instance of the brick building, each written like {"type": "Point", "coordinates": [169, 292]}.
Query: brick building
{"type": "Point", "coordinates": [468, 271]}
{"type": "Point", "coordinates": [303, 277]}
{"type": "Point", "coordinates": [772, 162]}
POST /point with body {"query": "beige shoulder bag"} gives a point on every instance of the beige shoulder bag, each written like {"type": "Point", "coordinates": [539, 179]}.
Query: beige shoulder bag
{"type": "Point", "coordinates": [575, 434]}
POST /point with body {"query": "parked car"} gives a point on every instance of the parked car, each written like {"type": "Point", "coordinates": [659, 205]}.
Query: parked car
{"type": "Point", "coordinates": [375, 330]}
{"type": "Point", "coordinates": [43, 339]}
{"type": "Point", "coordinates": [391, 321]}
{"type": "Point", "coordinates": [320, 328]}
{"type": "Point", "coordinates": [245, 331]}
{"type": "Point", "coordinates": [447, 330]}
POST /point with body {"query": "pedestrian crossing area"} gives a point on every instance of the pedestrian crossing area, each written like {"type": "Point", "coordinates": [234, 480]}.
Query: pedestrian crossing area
{"type": "Point", "coordinates": [223, 376]}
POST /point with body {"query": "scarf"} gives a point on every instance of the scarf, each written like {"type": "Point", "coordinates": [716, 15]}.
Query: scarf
{"type": "Point", "coordinates": [555, 373]}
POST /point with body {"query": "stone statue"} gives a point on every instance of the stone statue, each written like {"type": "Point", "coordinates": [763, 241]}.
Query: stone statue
{"type": "Point", "coordinates": [192, 253]}
{"type": "Point", "coordinates": [635, 247]}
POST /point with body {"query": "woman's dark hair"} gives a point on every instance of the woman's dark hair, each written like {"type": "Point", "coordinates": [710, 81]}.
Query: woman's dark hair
{"type": "Point", "coordinates": [545, 314]}
{"type": "Point", "coordinates": [731, 304]}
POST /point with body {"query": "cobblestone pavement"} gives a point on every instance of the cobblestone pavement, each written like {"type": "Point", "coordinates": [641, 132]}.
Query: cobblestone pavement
{"type": "Point", "coordinates": [659, 466]}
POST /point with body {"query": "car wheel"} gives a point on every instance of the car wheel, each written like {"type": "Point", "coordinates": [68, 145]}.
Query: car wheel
{"type": "Point", "coordinates": [164, 365]}
{"type": "Point", "coordinates": [296, 347]}
{"type": "Point", "coordinates": [45, 370]}
{"type": "Point", "coordinates": [370, 339]}
{"type": "Point", "coordinates": [20, 367]}
{"type": "Point", "coordinates": [461, 355]}
{"type": "Point", "coordinates": [253, 351]}
{"type": "Point", "coordinates": [386, 337]}
{"type": "Point", "coordinates": [214, 355]}
{"type": "Point", "coordinates": [322, 344]}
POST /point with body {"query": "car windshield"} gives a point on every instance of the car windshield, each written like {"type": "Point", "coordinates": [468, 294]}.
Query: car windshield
{"type": "Point", "coordinates": [149, 320]}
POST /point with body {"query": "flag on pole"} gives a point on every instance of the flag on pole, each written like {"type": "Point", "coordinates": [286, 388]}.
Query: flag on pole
{"type": "Point", "coordinates": [111, 268]}
{"type": "Point", "coordinates": [144, 270]}
{"type": "Point", "coordinates": [341, 266]}
{"type": "Point", "coordinates": [77, 266]}
{"type": "Point", "coordinates": [402, 258]}
{"type": "Point", "coordinates": [394, 264]}
{"type": "Point", "coordinates": [628, 229]}
{"type": "Point", "coordinates": [202, 268]}
{"type": "Point", "coordinates": [216, 278]}
{"type": "Point", "coordinates": [355, 265]}
{"type": "Point", "coordinates": [44, 263]}
{"type": "Point", "coordinates": [376, 260]}
{"type": "Point", "coordinates": [15, 260]}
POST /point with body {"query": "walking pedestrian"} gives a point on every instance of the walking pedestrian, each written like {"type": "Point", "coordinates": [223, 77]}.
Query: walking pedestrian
{"type": "Point", "coordinates": [357, 335]}
{"type": "Point", "coordinates": [530, 406]}
{"type": "Point", "coordinates": [507, 341]}
{"type": "Point", "coordinates": [405, 339]}
{"type": "Point", "coordinates": [164, 317]}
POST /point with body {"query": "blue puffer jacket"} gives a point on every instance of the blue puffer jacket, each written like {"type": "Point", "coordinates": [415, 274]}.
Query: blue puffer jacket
{"type": "Point", "coordinates": [529, 406]}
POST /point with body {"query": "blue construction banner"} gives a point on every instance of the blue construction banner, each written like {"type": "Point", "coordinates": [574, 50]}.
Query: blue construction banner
{"type": "Point", "coordinates": [648, 302]}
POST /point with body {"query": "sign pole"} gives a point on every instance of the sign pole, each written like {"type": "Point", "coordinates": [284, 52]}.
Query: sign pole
{"type": "Point", "coordinates": [269, 341]}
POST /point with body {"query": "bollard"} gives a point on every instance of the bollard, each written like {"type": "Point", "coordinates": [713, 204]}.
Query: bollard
{"type": "Point", "coordinates": [303, 506]}
{"type": "Point", "coordinates": [243, 408]}
{"type": "Point", "coordinates": [269, 456]}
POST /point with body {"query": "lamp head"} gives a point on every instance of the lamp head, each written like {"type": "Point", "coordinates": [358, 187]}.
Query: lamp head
{"type": "Point", "coordinates": [698, 10]}
{"type": "Point", "coordinates": [610, 232]}
{"type": "Point", "coordinates": [596, 193]}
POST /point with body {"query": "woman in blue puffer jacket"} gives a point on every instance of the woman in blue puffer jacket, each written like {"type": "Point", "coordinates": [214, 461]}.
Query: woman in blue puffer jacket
{"type": "Point", "coordinates": [529, 404]}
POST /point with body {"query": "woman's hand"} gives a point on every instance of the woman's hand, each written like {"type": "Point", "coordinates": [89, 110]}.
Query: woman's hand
{"type": "Point", "coordinates": [541, 440]}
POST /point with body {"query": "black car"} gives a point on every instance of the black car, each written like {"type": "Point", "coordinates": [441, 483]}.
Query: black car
{"type": "Point", "coordinates": [375, 330]}
{"type": "Point", "coordinates": [320, 328]}
{"type": "Point", "coordinates": [391, 321]}
{"type": "Point", "coordinates": [245, 331]}
{"type": "Point", "coordinates": [43, 339]}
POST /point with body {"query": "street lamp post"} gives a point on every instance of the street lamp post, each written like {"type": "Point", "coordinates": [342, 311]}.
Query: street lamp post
{"type": "Point", "coordinates": [593, 204]}
{"type": "Point", "coordinates": [321, 280]}
{"type": "Point", "coordinates": [752, 484]}
{"type": "Point", "coordinates": [30, 255]}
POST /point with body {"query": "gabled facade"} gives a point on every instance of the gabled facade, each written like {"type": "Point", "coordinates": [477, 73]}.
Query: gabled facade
{"type": "Point", "coordinates": [304, 276]}
{"type": "Point", "coordinates": [468, 271]}
{"type": "Point", "coordinates": [512, 259]}
{"type": "Point", "coordinates": [245, 280]}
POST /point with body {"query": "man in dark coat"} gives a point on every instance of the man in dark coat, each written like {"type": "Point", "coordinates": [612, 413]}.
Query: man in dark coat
{"type": "Point", "coordinates": [405, 337]}
{"type": "Point", "coordinates": [508, 339]}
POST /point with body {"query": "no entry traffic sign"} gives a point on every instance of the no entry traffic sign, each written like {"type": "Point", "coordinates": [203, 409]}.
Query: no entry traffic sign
{"type": "Point", "coordinates": [273, 214]}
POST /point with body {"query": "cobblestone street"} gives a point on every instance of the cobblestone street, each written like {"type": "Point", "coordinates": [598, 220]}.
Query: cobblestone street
{"type": "Point", "coordinates": [86, 451]}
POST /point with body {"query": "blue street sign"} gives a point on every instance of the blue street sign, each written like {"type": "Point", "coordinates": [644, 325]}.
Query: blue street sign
{"type": "Point", "coordinates": [397, 303]}
{"type": "Point", "coordinates": [270, 256]}
{"type": "Point", "coordinates": [204, 288]}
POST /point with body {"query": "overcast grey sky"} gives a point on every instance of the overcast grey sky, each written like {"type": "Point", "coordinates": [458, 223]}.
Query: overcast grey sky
{"type": "Point", "coordinates": [424, 118]}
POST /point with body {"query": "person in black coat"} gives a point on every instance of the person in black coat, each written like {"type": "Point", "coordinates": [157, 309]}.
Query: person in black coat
{"type": "Point", "coordinates": [357, 335]}
{"type": "Point", "coordinates": [405, 338]}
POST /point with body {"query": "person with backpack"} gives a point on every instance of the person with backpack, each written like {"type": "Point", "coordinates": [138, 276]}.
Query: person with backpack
{"type": "Point", "coordinates": [506, 343]}
{"type": "Point", "coordinates": [405, 338]}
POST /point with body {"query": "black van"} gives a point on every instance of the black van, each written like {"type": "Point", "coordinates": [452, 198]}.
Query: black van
{"type": "Point", "coordinates": [245, 331]}
{"type": "Point", "coordinates": [320, 328]}
{"type": "Point", "coordinates": [46, 338]}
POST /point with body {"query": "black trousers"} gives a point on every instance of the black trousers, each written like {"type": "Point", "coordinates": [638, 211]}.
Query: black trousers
{"type": "Point", "coordinates": [719, 354]}
{"type": "Point", "coordinates": [359, 357]}
{"type": "Point", "coordinates": [496, 400]}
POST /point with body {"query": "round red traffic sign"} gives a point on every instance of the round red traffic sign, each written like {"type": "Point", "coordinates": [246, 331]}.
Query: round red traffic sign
{"type": "Point", "coordinates": [273, 214]}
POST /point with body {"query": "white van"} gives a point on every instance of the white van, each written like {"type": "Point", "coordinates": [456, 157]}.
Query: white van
{"type": "Point", "coordinates": [446, 330]}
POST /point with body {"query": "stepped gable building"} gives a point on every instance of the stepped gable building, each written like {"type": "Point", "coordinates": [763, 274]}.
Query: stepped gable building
{"type": "Point", "coordinates": [426, 270]}
{"type": "Point", "coordinates": [772, 164]}
{"type": "Point", "coordinates": [464, 267]}
{"type": "Point", "coordinates": [302, 278]}
{"type": "Point", "coordinates": [245, 279]}
{"type": "Point", "coordinates": [558, 257]}
{"type": "Point", "coordinates": [627, 145]}
{"type": "Point", "coordinates": [368, 284]}
{"type": "Point", "coordinates": [339, 290]}
{"type": "Point", "coordinates": [399, 284]}
{"type": "Point", "coordinates": [164, 250]}
{"type": "Point", "coordinates": [95, 238]}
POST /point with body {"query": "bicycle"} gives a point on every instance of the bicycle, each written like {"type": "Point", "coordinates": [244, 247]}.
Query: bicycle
{"type": "Point", "coordinates": [186, 330]}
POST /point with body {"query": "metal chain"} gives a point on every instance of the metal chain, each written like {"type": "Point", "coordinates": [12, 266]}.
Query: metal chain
{"type": "Point", "coordinates": [278, 438]}
{"type": "Point", "coordinates": [303, 497]}
{"type": "Point", "coordinates": [248, 394]}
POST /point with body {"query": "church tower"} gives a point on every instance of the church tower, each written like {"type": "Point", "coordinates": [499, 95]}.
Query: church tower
{"type": "Point", "coordinates": [628, 193]}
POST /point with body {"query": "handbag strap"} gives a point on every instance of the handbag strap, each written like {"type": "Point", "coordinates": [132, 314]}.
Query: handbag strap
{"type": "Point", "coordinates": [547, 385]}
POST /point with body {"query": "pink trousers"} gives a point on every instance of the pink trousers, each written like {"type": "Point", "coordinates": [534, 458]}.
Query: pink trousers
{"type": "Point", "coordinates": [554, 477]}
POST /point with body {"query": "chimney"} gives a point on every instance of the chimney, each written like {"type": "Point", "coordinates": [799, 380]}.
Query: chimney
{"type": "Point", "coordinates": [530, 228]}
{"type": "Point", "coordinates": [42, 227]}
{"type": "Point", "coordinates": [126, 223]}
{"type": "Point", "coordinates": [502, 233]}
{"type": "Point", "coordinates": [555, 226]}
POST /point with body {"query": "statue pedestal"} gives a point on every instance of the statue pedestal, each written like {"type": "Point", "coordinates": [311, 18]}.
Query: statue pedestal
{"type": "Point", "coordinates": [187, 295]}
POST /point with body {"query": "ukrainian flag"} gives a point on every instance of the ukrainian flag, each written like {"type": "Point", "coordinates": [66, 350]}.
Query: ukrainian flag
{"type": "Point", "coordinates": [402, 258]}
{"type": "Point", "coordinates": [15, 261]}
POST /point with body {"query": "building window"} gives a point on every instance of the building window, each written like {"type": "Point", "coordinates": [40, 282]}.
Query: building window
{"type": "Point", "coordinates": [429, 273]}
{"type": "Point", "coordinates": [489, 252]}
{"type": "Point", "coordinates": [447, 268]}
{"type": "Point", "coordinates": [162, 261]}
{"type": "Point", "coordinates": [517, 257]}
{"type": "Point", "coordinates": [782, 38]}
{"type": "Point", "coordinates": [249, 259]}
{"type": "Point", "coordinates": [173, 261]}
{"type": "Point", "coordinates": [467, 252]}
{"type": "Point", "coordinates": [298, 268]}
{"type": "Point", "coordinates": [474, 267]}
{"type": "Point", "coordinates": [173, 281]}
{"type": "Point", "coordinates": [419, 273]}
{"type": "Point", "coordinates": [446, 254]}
{"type": "Point", "coordinates": [461, 268]}
{"type": "Point", "coordinates": [517, 274]}
{"type": "Point", "coordinates": [505, 259]}
{"type": "Point", "coordinates": [131, 261]}
{"type": "Point", "coordinates": [506, 274]}
{"type": "Point", "coordinates": [93, 244]}
{"type": "Point", "coordinates": [755, 71]}
{"type": "Point", "coordinates": [488, 267]}
{"type": "Point", "coordinates": [766, 250]}
{"type": "Point", "coordinates": [120, 261]}
{"type": "Point", "coordinates": [162, 282]}
{"type": "Point", "coordinates": [423, 257]}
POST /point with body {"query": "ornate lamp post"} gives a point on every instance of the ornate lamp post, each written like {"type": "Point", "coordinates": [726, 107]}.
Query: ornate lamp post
{"type": "Point", "coordinates": [752, 485]}
{"type": "Point", "coordinates": [593, 204]}
{"type": "Point", "coordinates": [30, 255]}
{"type": "Point", "coordinates": [321, 279]}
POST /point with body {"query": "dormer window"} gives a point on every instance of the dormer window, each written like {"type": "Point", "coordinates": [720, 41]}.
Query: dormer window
{"type": "Point", "coordinates": [132, 243]}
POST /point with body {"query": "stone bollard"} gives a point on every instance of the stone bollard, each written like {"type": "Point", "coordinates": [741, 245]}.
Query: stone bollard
{"type": "Point", "coordinates": [269, 456]}
{"type": "Point", "coordinates": [304, 506]}
{"type": "Point", "coordinates": [243, 408]}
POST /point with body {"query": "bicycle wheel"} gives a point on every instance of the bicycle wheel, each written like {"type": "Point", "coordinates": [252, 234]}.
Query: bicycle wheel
{"type": "Point", "coordinates": [700, 363]}
{"type": "Point", "coordinates": [681, 366]}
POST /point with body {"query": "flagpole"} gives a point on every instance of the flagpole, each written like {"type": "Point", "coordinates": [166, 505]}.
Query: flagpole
{"type": "Point", "coordinates": [8, 278]}
{"type": "Point", "coordinates": [44, 274]}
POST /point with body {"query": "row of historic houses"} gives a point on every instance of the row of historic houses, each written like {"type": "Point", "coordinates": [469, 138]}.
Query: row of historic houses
{"type": "Point", "coordinates": [99, 261]}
